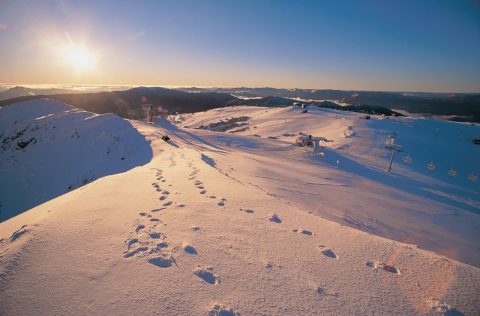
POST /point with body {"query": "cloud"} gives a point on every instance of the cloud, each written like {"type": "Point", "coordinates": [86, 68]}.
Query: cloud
{"type": "Point", "coordinates": [136, 35]}
{"type": "Point", "coordinates": [3, 26]}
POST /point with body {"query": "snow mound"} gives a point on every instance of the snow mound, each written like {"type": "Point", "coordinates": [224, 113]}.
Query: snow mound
{"type": "Point", "coordinates": [48, 148]}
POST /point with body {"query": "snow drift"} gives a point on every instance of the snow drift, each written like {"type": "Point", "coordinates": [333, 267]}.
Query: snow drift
{"type": "Point", "coordinates": [48, 148]}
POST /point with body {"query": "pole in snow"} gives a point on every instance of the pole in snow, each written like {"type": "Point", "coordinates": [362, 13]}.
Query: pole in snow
{"type": "Point", "coordinates": [394, 148]}
{"type": "Point", "coordinates": [391, 160]}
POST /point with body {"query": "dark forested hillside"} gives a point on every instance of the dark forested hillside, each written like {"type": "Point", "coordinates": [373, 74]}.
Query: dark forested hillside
{"type": "Point", "coordinates": [128, 103]}
{"type": "Point", "coordinates": [460, 106]}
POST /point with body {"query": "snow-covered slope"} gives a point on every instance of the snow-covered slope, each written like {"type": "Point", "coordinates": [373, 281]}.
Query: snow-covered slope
{"type": "Point", "coordinates": [431, 209]}
{"type": "Point", "coordinates": [221, 224]}
{"type": "Point", "coordinates": [48, 148]}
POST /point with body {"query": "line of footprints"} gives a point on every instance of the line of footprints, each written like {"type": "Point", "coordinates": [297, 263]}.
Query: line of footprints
{"type": "Point", "coordinates": [329, 253]}
{"type": "Point", "coordinates": [147, 242]}
{"type": "Point", "coordinates": [201, 188]}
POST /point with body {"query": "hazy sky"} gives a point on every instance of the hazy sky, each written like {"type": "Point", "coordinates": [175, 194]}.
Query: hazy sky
{"type": "Point", "coordinates": [416, 45]}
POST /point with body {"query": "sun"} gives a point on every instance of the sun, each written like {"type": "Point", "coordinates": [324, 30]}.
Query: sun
{"type": "Point", "coordinates": [80, 58]}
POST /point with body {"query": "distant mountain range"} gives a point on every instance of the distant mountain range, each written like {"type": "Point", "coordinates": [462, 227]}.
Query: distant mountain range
{"type": "Point", "coordinates": [128, 103]}
{"type": "Point", "coordinates": [459, 106]}
{"type": "Point", "coordinates": [16, 92]}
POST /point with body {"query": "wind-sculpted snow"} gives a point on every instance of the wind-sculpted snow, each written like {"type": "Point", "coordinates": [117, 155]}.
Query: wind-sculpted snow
{"type": "Point", "coordinates": [48, 148]}
{"type": "Point", "coordinates": [217, 227]}
{"type": "Point", "coordinates": [430, 198]}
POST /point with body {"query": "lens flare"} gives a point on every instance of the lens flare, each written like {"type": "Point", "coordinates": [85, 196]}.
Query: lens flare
{"type": "Point", "coordinates": [80, 58]}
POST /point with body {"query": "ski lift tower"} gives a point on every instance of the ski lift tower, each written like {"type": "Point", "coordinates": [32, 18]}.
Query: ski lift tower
{"type": "Point", "coordinates": [149, 113]}
{"type": "Point", "coordinates": [390, 144]}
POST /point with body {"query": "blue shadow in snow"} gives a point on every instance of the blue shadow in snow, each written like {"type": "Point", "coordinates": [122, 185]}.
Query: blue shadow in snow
{"type": "Point", "coordinates": [208, 160]}
{"type": "Point", "coordinates": [397, 181]}
{"type": "Point", "coordinates": [179, 133]}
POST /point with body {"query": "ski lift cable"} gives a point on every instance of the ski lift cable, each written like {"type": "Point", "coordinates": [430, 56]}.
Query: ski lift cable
{"type": "Point", "coordinates": [425, 160]}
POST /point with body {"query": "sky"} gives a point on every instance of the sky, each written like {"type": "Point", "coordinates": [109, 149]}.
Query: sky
{"type": "Point", "coordinates": [407, 45]}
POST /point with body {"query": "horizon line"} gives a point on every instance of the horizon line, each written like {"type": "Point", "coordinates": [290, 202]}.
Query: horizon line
{"type": "Point", "coordinates": [57, 85]}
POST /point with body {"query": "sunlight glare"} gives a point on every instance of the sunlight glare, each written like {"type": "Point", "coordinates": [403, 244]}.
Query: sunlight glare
{"type": "Point", "coordinates": [80, 58]}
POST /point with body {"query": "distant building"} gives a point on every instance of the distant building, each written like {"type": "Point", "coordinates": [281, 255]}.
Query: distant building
{"type": "Point", "coordinates": [161, 112]}
{"type": "Point", "coordinates": [148, 109]}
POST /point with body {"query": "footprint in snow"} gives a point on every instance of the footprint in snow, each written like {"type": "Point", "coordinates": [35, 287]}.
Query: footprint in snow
{"type": "Point", "coordinates": [19, 233]}
{"type": "Point", "coordinates": [321, 291]}
{"type": "Point", "coordinates": [161, 262]}
{"type": "Point", "coordinates": [157, 187]}
{"type": "Point", "coordinates": [189, 249]}
{"type": "Point", "coordinates": [155, 235]}
{"type": "Point", "coordinates": [442, 308]}
{"type": "Point", "coordinates": [328, 252]}
{"type": "Point", "coordinates": [195, 228]}
{"type": "Point", "coordinates": [158, 209]}
{"type": "Point", "coordinates": [221, 310]}
{"type": "Point", "coordinates": [131, 242]}
{"type": "Point", "coordinates": [168, 203]}
{"type": "Point", "coordinates": [303, 231]}
{"type": "Point", "coordinates": [165, 192]}
{"type": "Point", "coordinates": [162, 245]}
{"type": "Point", "coordinates": [212, 197]}
{"type": "Point", "coordinates": [206, 274]}
{"type": "Point", "coordinates": [246, 210]}
{"type": "Point", "coordinates": [274, 218]}
{"type": "Point", "coordinates": [203, 192]}
{"type": "Point", "coordinates": [129, 254]}
{"type": "Point", "coordinates": [139, 227]}
{"type": "Point", "coordinates": [377, 265]}
{"type": "Point", "coordinates": [269, 265]}
{"type": "Point", "coordinates": [163, 197]}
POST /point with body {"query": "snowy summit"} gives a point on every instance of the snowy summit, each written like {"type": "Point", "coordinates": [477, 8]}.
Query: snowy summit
{"type": "Point", "coordinates": [230, 216]}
